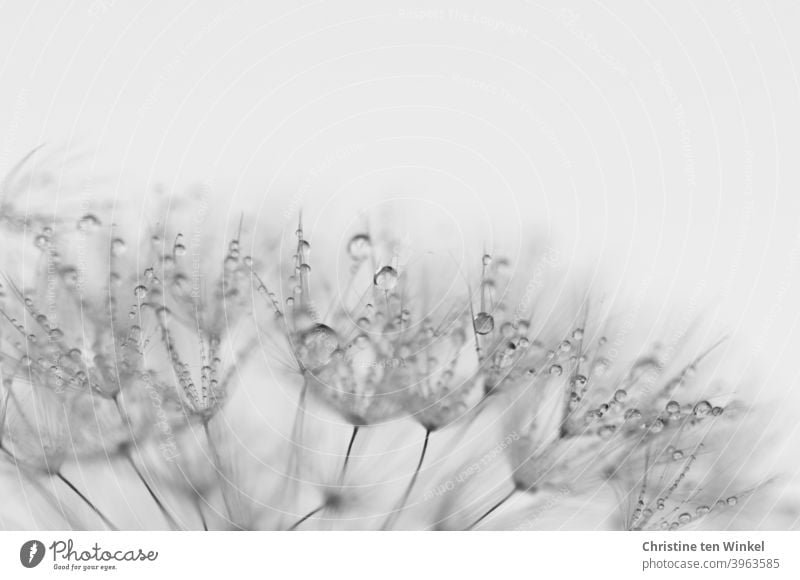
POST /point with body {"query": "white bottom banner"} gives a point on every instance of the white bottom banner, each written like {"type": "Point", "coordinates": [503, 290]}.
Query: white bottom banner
{"type": "Point", "coordinates": [368, 555]}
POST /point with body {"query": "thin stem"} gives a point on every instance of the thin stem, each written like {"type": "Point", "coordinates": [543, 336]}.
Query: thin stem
{"type": "Point", "coordinates": [347, 456]}
{"type": "Point", "coordinates": [223, 481]}
{"type": "Point", "coordinates": [87, 501]}
{"type": "Point", "coordinates": [310, 514]}
{"type": "Point", "coordinates": [295, 447]}
{"type": "Point", "coordinates": [493, 508]}
{"type": "Point", "coordinates": [167, 516]}
{"type": "Point", "coordinates": [402, 503]}
{"type": "Point", "coordinates": [199, 509]}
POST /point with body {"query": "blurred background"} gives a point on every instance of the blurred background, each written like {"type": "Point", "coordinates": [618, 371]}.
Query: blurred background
{"type": "Point", "coordinates": [653, 149]}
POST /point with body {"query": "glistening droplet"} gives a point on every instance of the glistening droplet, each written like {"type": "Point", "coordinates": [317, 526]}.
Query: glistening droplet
{"type": "Point", "coordinates": [317, 346]}
{"type": "Point", "coordinates": [484, 323]}
{"type": "Point", "coordinates": [386, 278]}
{"type": "Point", "coordinates": [359, 247]}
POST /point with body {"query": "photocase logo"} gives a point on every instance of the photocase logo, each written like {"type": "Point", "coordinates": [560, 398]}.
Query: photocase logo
{"type": "Point", "coordinates": [31, 553]}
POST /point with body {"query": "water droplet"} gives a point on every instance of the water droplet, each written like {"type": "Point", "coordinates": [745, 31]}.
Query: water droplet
{"type": "Point", "coordinates": [118, 247]}
{"type": "Point", "coordinates": [677, 455]}
{"type": "Point", "coordinates": [606, 431]}
{"type": "Point", "coordinates": [621, 395]}
{"type": "Point", "coordinates": [359, 247]}
{"type": "Point", "coordinates": [565, 346]}
{"type": "Point", "coordinates": [702, 510]}
{"type": "Point", "coordinates": [70, 276]}
{"type": "Point", "coordinates": [731, 500]}
{"type": "Point", "coordinates": [248, 261]}
{"type": "Point", "coordinates": [685, 518]}
{"type": "Point", "coordinates": [181, 284]}
{"type": "Point", "coordinates": [717, 411]}
{"type": "Point", "coordinates": [317, 346]}
{"type": "Point", "coordinates": [178, 248]}
{"type": "Point", "coordinates": [487, 260]}
{"type": "Point", "coordinates": [305, 269]}
{"type": "Point", "coordinates": [484, 323]}
{"type": "Point", "coordinates": [702, 409]}
{"type": "Point", "coordinates": [556, 370]}
{"type": "Point", "coordinates": [507, 329]}
{"type": "Point", "coordinates": [41, 241]}
{"type": "Point", "coordinates": [88, 223]}
{"type": "Point", "coordinates": [163, 314]}
{"type": "Point", "coordinates": [140, 291]}
{"type": "Point", "coordinates": [55, 334]}
{"type": "Point", "coordinates": [386, 278]}
{"type": "Point", "coordinates": [577, 334]}
{"type": "Point", "coordinates": [673, 407]}
{"type": "Point", "coordinates": [657, 426]}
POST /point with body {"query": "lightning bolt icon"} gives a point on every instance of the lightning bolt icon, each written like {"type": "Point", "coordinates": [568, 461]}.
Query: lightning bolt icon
{"type": "Point", "coordinates": [34, 550]}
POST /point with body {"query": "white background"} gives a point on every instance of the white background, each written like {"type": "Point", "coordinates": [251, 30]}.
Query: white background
{"type": "Point", "coordinates": [657, 143]}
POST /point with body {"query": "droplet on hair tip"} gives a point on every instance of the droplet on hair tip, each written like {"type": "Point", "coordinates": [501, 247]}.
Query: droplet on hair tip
{"type": "Point", "coordinates": [484, 323]}
{"type": "Point", "coordinates": [359, 247]}
{"type": "Point", "coordinates": [702, 408]}
{"type": "Point", "coordinates": [118, 247]}
{"type": "Point", "coordinates": [386, 278]}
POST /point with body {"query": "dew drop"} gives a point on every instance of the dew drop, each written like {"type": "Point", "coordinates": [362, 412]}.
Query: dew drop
{"type": "Point", "coordinates": [118, 247]}
{"type": "Point", "coordinates": [163, 314]}
{"type": "Point", "coordinates": [386, 278]}
{"type": "Point", "coordinates": [731, 500]}
{"type": "Point", "coordinates": [88, 223]}
{"type": "Point", "coordinates": [556, 370]}
{"type": "Point", "coordinates": [606, 431]}
{"type": "Point", "coordinates": [673, 407]}
{"type": "Point", "coordinates": [621, 395]}
{"type": "Point", "coordinates": [685, 518]}
{"type": "Point", "coordinates": [702, 510]}
{"type": "Point", "coordinates": [484, 323]}
{"type": "Point", "coordinates": [317, 346]}
{"type": "Point", "coordinates": [702, 409]}
{"type": "Point", "coordinates": [577, 334]}
{"type": "Point", "coordinates": [359, 247]}
{"type": "Point", "coordinates": [178, 248]}
{"type": "Point", "coordinates": [487, 260]}
{"type": "Point", "coordinates": [140, 291]}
